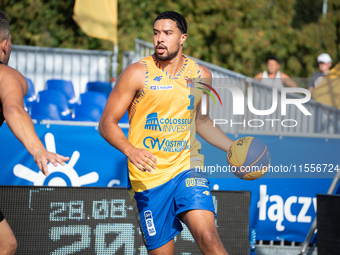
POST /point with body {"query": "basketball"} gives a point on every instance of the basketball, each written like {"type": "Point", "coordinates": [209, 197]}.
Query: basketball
{"type": "Point", "coordinates": [249, 158]}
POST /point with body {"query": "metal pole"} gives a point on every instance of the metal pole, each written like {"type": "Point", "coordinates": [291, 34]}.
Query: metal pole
{"type": "Point", "coordinates": [313, 227]}
{"type": "Point", "coordinates": [114, 64]}
{"type": "Point", "coordinates": [324, 9]}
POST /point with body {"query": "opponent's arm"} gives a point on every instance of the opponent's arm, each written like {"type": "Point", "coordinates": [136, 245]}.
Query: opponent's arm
{"type": "Point", "coordinates": [205, 126]}
{"type": "Point", "coordinates": [128, 87]}
{"type": "Point", "coordinates": [13, 88]}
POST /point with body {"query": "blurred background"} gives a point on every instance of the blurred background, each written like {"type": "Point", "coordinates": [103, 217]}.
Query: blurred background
{"type": "Point", "coordinates": [237, 35]}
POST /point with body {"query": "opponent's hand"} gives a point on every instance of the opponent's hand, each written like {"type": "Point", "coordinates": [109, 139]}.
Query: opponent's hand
{"type": "Point", "coordinates": [42, 157]}
{"type": "Point", "coordinates": [142, 159]}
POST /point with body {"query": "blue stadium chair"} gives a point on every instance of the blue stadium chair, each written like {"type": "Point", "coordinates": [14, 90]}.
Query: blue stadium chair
{"type": "Point", "coordinates": [91, 97]}
{"type": "Point", "coordinates": [30, 96]}
{"type": "Point", "coordinates": [42, 111]}
{"type": "Point", "coordinates": [65, 87]}
{"type": "Point", "coordinates": [58, 98]}
{"type": "Point", "coordinates": [99, 86]}
{"type": "Point", "coordinates": [125, 118]}
{"type": "Point", "coordinates": [87, 112]}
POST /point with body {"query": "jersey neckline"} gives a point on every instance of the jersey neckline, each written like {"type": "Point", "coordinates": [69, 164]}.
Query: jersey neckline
{"type": "Point", "coordinates": [178, 74]}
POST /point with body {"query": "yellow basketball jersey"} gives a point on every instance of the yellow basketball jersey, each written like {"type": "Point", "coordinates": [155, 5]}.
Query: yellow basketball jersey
{"type": "Point", "coordinates": [162, 121]}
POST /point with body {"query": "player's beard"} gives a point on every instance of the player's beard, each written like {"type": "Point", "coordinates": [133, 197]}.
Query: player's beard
{"type": "Point", "coordinates": [167, 57]}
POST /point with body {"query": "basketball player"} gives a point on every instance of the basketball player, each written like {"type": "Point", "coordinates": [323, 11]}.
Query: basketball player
{"type": "Point", "coordinates": [273, 77]}
{"type": "Point", "coordinates": [13, 88]}
{"type": "Point", "coordinates": [165, 114]}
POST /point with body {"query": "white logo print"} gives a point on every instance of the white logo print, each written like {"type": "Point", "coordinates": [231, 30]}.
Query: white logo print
{"type": "Point", "coordinates": [149, 223]}
{"type": "Point", "coordinates": [58, 176]}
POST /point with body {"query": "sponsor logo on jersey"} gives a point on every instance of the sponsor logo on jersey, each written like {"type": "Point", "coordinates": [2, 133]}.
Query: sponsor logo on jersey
{"type": "Point", "coordinates": [161, 87]}
{"type": "Point", "coordinates": [165, 144]}
{"type": "Point", "coordinates": [153, 122]}
{"type": "Point", "coordinates": [158, 78]}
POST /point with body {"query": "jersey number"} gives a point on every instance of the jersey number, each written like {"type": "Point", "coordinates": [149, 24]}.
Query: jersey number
{"type": "Point", "coordinates": [192, 100]}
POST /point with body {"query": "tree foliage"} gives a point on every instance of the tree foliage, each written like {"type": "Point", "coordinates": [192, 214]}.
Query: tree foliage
{"type": "Point", "coordinates": [47, 23]}
{"type": "Point", "coordinates": [237, 35]}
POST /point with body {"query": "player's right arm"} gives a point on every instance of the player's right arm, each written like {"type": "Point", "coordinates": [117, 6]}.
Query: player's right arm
{"type": "Point", "coordinates": [128, 87]}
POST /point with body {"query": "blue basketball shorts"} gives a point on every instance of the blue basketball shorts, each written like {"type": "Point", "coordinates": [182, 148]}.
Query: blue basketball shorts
{"type": "Point", "coordinates": [157, 209]}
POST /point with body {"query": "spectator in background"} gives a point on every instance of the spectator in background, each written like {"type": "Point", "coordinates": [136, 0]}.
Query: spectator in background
{"type": "Point", "coordinates": [273, 77]}
{"type": "Point", "coordinates": [325, 64]}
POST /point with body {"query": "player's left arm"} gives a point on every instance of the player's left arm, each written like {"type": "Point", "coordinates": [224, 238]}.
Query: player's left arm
{"type": "Point", "coordinates": [205, 126]}
{"type": "Point", "coordinates": [288, 81]}
{"type": "Point", "coordinates": [13, 88]}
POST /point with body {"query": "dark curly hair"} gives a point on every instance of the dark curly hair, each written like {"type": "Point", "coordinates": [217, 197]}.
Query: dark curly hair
{"type": "Point", "coordinates": [4, 26]}
{"type": "Point", "coordinates": [175, 16]}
